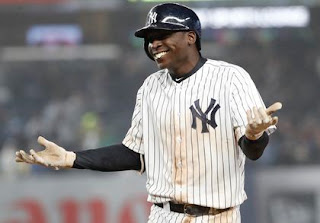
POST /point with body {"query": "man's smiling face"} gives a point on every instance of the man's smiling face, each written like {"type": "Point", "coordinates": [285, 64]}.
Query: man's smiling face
{"type": "Point", "coordinates": [168, 48]}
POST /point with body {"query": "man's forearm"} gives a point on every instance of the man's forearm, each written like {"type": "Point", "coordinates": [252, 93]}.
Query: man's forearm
{"type": "Point", "coordinates": [111, 158]}
{"type": "Point", "coordinates": [253, 149]}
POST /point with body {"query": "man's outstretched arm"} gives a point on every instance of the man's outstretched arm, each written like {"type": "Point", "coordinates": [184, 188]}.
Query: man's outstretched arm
{"type": "Point", "coordinates": [110, 158]}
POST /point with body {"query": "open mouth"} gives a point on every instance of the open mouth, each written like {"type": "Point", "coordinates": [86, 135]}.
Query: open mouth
{"type": "Point", "coordinates": [159, 55]}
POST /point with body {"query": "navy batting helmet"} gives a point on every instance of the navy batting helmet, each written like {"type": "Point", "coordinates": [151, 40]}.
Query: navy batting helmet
{"type": "Point", "coordinates": [170, 16]}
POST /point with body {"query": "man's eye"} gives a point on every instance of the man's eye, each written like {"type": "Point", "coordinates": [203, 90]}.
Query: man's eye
{"type": "Point", "coordinates": [158, 37]}
{"type": "Point", "coordinates": [151, 39]}
{"type": "Point", "coordinates": [164, 36]}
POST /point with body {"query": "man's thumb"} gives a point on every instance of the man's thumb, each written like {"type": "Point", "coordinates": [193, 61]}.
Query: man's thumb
{"type": "Point", "coordinates": [42, 141]}
{"type": "Point", "coordinates": [273, 108]}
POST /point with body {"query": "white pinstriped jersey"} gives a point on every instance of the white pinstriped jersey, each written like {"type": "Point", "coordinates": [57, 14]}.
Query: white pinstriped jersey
{"type": "Point", "coordinates": [188, 133]}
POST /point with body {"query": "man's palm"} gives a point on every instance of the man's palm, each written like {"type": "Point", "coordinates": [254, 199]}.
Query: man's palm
{"type": "Point", "coordinates": [53, 155]}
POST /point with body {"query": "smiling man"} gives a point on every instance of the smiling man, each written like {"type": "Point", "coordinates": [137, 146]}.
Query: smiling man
{"type": "Point", "coordinates": [195, 121]}
{"type": "Point", "coordinates": [173, 50]}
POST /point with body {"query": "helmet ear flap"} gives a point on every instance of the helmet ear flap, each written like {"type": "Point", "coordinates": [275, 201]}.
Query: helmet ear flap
{"type": "Point", "coordinates": [147, 49]}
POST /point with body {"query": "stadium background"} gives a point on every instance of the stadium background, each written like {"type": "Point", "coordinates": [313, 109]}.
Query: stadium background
{"type": "Point", "coordinates": [70, 69]}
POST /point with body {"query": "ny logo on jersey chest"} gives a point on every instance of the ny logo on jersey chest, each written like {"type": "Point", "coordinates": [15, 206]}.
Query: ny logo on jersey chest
{"type": "Point", "coordinates": [198, 113]}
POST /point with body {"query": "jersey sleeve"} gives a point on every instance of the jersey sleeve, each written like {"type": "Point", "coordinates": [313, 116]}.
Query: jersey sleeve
{"type": "Point", "coordinates": [134, 137]}
{"type": "Point", "coordinates": [244, 96]}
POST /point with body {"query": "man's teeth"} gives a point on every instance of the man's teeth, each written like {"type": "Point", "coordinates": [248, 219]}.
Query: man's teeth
{"type": "Point", "coordinates": [159, 55]}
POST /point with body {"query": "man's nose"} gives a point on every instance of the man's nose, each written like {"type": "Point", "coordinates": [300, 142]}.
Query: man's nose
{"type": "Point", "coordinates": [154, 43]}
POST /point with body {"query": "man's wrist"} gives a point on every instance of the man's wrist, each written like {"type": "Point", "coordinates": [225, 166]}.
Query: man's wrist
{"type": "Point", "coordinates": [253, 136]}
{"type": "Point", "coordinates": [70, 158]}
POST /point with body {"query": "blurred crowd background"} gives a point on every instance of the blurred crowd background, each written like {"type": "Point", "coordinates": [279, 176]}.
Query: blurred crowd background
{"type": "Point", "coordinates": [70, 70]}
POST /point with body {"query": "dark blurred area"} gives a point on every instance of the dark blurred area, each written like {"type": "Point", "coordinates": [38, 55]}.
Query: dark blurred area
{"type": "Point", "coordinates": [70, 72]}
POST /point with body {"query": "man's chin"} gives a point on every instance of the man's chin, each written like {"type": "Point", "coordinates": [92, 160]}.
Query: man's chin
{"type": "Point", "coordinates": [160, 64]}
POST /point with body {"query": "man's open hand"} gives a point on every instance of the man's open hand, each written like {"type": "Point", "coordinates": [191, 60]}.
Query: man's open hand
{"type": "Point", "coordinates": [259, 119]}
{"type": "Point", "coordinates": [52, 156]}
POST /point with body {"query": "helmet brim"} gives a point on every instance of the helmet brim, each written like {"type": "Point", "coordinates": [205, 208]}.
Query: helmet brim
{"type": "Point", "coordinates": [142, 33]}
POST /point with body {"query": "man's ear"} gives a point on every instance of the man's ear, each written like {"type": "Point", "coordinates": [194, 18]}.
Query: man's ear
{"type": "Point", "coordinates": [192, 37]}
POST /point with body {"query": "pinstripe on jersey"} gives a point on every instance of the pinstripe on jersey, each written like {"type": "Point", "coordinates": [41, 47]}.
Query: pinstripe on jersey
{"type": "Point", "coordinates": [184, 164]}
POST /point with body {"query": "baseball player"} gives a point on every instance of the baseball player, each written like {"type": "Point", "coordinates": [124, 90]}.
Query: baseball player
{"type": "Point", "coordinates": [194, 123]}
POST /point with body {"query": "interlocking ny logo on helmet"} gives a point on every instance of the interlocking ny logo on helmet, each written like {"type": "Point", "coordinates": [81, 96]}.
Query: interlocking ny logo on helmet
{"type": "Point", "coordinates": [152, 18]}
{"type": "Point", "coordinates": [171, 16]}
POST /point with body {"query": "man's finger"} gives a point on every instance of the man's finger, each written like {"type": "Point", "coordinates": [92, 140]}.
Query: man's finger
{"type": "Point", "coordinates": [18, 154]}
{"type": "Point", "coordinates": [249, 117]}
{"type": "Point", "coordinates": [42, 141]}
{"type": "Point", "coordinates": [19, 160]}
{"type": "Point", "coordinates": [263, 115]}
{"type": "Point", "coordinates": [274, 120]}
{"type": "Point", "coordinates": [26, 157]}
{"type": "Point", "coordinates": [257, 117]}
{"type": "Point", "coordinates": [273, 108]}
{"type": "Point", "coordinates": [37, 158]}
{"type": "Point", "coordinates": [19, 157]}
